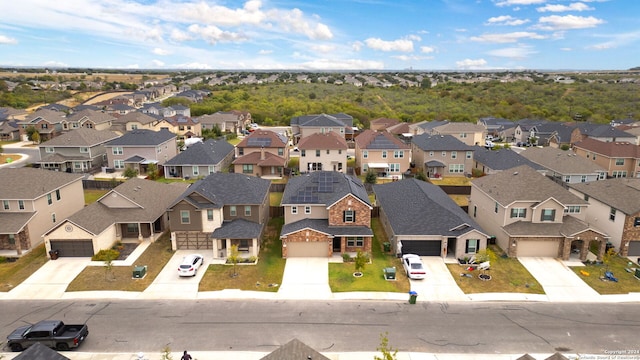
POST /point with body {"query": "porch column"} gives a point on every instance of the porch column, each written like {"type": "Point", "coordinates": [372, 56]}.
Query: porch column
{"type": "Point", "coordinates": [151, 233]}
{"type": "Point", "coordinates": [228, 241]}
{"type": "Point", "coordinates": [584, 251]}
{"type": "Point", "coordinates": [17, 239]}
{"type": "Point", "coordinates": [215, 247]}
{"type": "Point", "coordinates": [254, 247]}
{"type": "Point", "coordinates": [566, 248]}
{"type": "Point", "coordinates": [601, 248]}
{"type": "Point", "coordinates": [139, 232]}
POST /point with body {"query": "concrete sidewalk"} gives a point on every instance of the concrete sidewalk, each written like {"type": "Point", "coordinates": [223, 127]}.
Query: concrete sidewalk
{"type": "Point", "coordinates": [560, 283]}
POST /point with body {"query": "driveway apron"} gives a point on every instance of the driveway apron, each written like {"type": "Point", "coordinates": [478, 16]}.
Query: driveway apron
{"type": "Point", "coordinates": [51, 280]}
{"type": "Point", "coordinates": [559, 282]}
{"type": "Point", "coordinates": [438, 285]}
{"type": "Point", "coordinates": [168, 285]}
{"type": "Point", "coordinates": [305, 278]}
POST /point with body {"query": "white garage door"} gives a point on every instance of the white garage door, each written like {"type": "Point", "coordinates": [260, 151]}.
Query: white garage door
{"type": "Point", "coordinates": [307, 249]}
{"type": "Point", "coordinates": [538, 248]}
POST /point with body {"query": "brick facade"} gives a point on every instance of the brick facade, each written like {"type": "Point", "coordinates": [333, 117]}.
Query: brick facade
{"type": "Point", "coordinates": [582, 240]}
{"type": "Point", "coordinates": [629, 233]}
{"type": "Point", "coordinates": [307, 235]}
{"type": "Point", "coordinates": [350, 202]}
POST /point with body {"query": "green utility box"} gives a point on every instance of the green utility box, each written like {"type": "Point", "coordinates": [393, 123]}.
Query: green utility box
{"type": "Point", "coordinates": [139, 272]}
{"type": "Point", "coordinates": [637, 274]}
{"type": "Point", "coordinates": [389, 273]}
{"type": "Point", "coordinates": [387, 246]}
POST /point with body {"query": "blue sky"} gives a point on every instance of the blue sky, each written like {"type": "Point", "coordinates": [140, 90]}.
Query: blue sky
{"type": "Point", "coordinates": [322, 35]}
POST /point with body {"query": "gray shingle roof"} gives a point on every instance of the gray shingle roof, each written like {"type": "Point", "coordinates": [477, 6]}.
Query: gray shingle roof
{"type": "Point", "coordinates": [238, 229]}
{"type": "Point", "coordinates": [210, 152]}
{"type": "Point", "coordinates": [143, 137]}
{"type": "Point", "coordinates": [502, 159]}
{"type": "Point", "coordinates": [323, 187]}
{"type": "Point", "coordinates": [428, 142]}
{"type": "Point", "coordinates": [622, 194]}
{"type": "Point", "coordinates": [562, 162]}
{"type": "Point", "coordinates": [81, 137]}
{"type": "Point", "coordinates": [294, 350]}
{"type": "Point", "coordinates": [416, 207]}
{"type": "Point", "coordinates": [229, 189]}
{"type": "Point", "coordinates": [522, 183]}
{"type": "Point", "coordinates": [322, 225]}
{"type": "Point", "coordinates": [570, 226]}
{"type": "Point", "coordinates": [13, 222]}
{"type": "Point", "coordinates": [30, 183]}
{"type": "Point", "coordinates": [323, 120]}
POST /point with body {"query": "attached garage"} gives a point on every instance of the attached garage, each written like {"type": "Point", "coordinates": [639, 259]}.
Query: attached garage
{"type": "Point", "coordinates": [73, 248]}
{"type": "Point", "coordinates": [538, 248]}
{"type": "Point", "coordinates": [193, 241]}
{"type": "Point", "coordinates": [634, 248]}
{"type": "Point", "coordinates": [422, 247]}
{"type": "Point", "coordinates": [307, 249]}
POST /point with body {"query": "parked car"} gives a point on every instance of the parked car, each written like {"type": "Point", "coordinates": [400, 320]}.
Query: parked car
{"type": "Point", "coordinates": [413, 266]}
{"type": "Point", "coordinates": [52, 333]}
{"type": "Point", "coordinates": [190, 265]}
{"type": "Point", "coordinates": [489, 144]}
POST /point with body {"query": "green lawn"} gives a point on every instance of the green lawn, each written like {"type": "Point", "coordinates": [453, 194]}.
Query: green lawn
{"type": "Point", "coordinates": [13, 273]}
{"type": "Point", "coordinates": [275, 198]}
{"type": "Point", "coordinates": [626, 281]}
{"type": "Point", "coordinates": [91, 196]}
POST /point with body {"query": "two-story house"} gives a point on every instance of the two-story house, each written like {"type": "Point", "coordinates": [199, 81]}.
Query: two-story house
{"type": "Point", "coordinates": [306, 125]}
{"type": "Point", "coordinates": [183, 126]}
{"type": "Point", "coordinates": [81, 150]}
{"type": "Point", "coordinates": [468, 133]}
{"type": "Point", "coordinates": [420, 218]}
{"type": "Point", "coordinates": [326, 151]}
{"type": "Point", "coordinates": [531, 215]}
{"type": "Point", "coordinates": [227, 121]}
{"type": "Point", "coordinates": [620, 159]}
{"type": "Point", "coordinates": [262, 153]}
{"type": "Point", "coordinates": [382, 153]}
{"type": "Point", "coordinates": [325, 213]}
{"type": "Point", "coordinates": [489, 161]}
{"type": "Point", "coordinates": [134, 211]}
{"type": "Point", "coordinates": [565, 166]}
{"type": "Point", "coordinates": [139, 148]}
{"type": "Point", "coordinates": [89, 119]}
{"type": "Point", "coordinates": [441, 156]}
{"type": "Point", "coordinates": [380, 124]}
{"type": "Point", "coordinates": [220, 211]}
{"type": "Point", "coordinates": [48, 123]}
{"type": "Point", "coordinates": [200, 159]}
{"type": "Point", "coordinates": [614, 207]}
{"type": "Point", "coordinates": [135, 120]}
{"type": "Point", "coordinates": [33, 201]}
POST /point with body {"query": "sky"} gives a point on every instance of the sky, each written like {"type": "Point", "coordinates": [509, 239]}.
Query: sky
{"type": "Point", "coordinates": [455, 35]}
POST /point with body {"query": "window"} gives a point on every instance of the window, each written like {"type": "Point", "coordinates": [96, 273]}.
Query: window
{"type": "Point", "coordinates": [195, 170]}
{"type": "Point", "coordinates": [583, 178]}
{"type": "Point", "coordinates": [454, 154]}
{"type": "Point", "coordinates": [431, 153]}
{"type": "Point", "coordinates": [317, 153]}
{"type": "Point", "coordinates": [240, 151]}
{"type": "Point", "coordinates": [21, 204]}
{"type": "Point", "coordinates": [84, 150]}
{"type": "Point", "coordinates": [49, 200]}
{"type": "Point", "coordinates": [132, 228]}
{"type": "Point", "coordinates": [307, 210]}
{"type": "Point", "coordinates": [118, 164]}
{"type": "Point", "coordinates": [444, 154]}
{"type": "Point", "coordinates": [294, 210]}
{"type": "Point", "coordinates": [469, 154]}
{"type": "Point", "coordinates": [12, 239]}
{"type": "Point", "coordinates": [495, 207]}
{"type": "Point", "coordinates": [355, 241]}
{"type": "Point", "coordinates": [134, 127]}
{"type": "Point", "coordinates": [58, 195]}
{"type": "Point", "coordinates": [53, 217]}
{"type": "Point", "coordinates": [398, 154]}
{"type": "Point", "coordinates": [548, 215]}
{"type": "Point", "coordinates": [619, 174]}
{"type": "Point", "coordinates": [303, 153]}
{"type": "Point", "coordinates": [280, 151]}
{"type": "Point", "coordinates": [463, 135]}
{"type": "Point", "coordinates": [315, 166]}
{"type": "Point", "coordinates": [518, 213]}
{"type": "Point", "coordinates": [210, 214]}
{"type": "Point", "coordinates": [349, 216]}
{"type": "Point", "coordinates": [472, 246]}
{"type": "Point", "coordinates": [233, 211]}
{"type": "Point", "coordinates": [211, 169]}
{"type": "Point", "coordinates": [247, 210]}
{"type": "Point", "coordinates": [365, 154]}
{"type": "Point", "coordinates": [394, 167]}
{"type": "Point", "coordinates": [5, 204]}
{"type": "Point", "coordinates": [636, 222]}
{"type": "Point", "coordinates": [612, 214]}
{"type": "Point", "coordinates": [567, 178]}
{"type": "Point", "coordinates": [340, 153]}
{"type": "Point", "coordinates": [49, 150]}
{"type": "Point", "coordinates": [572, 210]}
{"type": "Point", "coordinates": [117, 150]}
{"type": "Point", "coordinates": [384, 154]}
{"type": "Point", "coordinates": [619, 162]}
{"type": "Point", "coordinates": [328, 151]}
{"type": "Point", "coordinates": [586, 197]}
{"type": "Point", "coordinates": [456, 168]}
{"type": "Point", "coordinates": [475, 210]}
{"type": "Point", "coordinates": [247, 168]}
{"type": "Point", "coordinates": [185, 217]}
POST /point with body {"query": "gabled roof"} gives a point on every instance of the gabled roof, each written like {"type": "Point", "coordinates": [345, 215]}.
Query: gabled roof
{"type": "Point", "coordinates": [329, 140]}
{"type": "Point", "coordinates": [622, 193]}
{"type": "Point", "coordinates": [263, 139]}
{"type": "Point", "coordinates": [55, 107]}
{"type": "Point", "coordinates": [136, 116]}
{"type": "Point", "coordinates": [143, 137]}
{"type": "Point", "coordinates": [210, 152]}
{"type": "Point", "coordinates": [323, 187]}
{"type": "Point", "coordinates": [384, 122]}
{"type": "Point", "coordinates": [255, 158]}
{"type": "Point", "coordinates": [561, 162]}
{"type": "Point", "coordinates": [147, 200]}
{"type": "Point", "coordinates": [401, 128]}
{"type": "Point", "coordinates": [601, 130]}
{"type": "Point", "coordinates": [177, 120]}
{"type": "Point", "coordinates": [522, 183]}
{"type": "Point", "coordinates": [379, 140]}
{"type": "Point", "coordinates": [416, 207]}
{"type": "Point", "coordinates": [51, 116]}
{"type": "Point", "coordinates": [428, 142]}
{"type": "Point", "coordinates": [502, 159]}
{"type": "Point", "coordinates": [569, 227]}
{"type": "Point", "coordinates": [320, 120]}
{"type": "Point", "coordinates": [30, 183]}
{"type": "Point", "coordinates": [493, 122]}
{"type": "Point", "coordinates": [294, 350]}
{"type": "Point", "coordinates": [40, 352]}
{"type": "Point", "coordinates": [97, 117]}
{"type": "Point", "coordinates": [238, 229]}
{"type": "Point", "coordinates": [222, 189]}
{"type": "Point", "coordinates": [610, 149]}
{"type": "Point", "coordinates": [322, 225]}
{"type": "Point", "coordinates": [450, 127]}
{"type": "Point", "coordinates": [80, 138]}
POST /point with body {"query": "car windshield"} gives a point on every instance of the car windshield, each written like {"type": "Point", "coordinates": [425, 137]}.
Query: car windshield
{"type": "Point", "coordinates": [186, 266]}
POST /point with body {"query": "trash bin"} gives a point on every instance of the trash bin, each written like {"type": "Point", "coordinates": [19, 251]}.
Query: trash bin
{"type": "Point", "coordinates": [412, 297]}
{"type": "Point", "coordinates": [54, 254]}
{"type": "Point", "coordinates": [390, 273]}
{"type": "Point", "coordinates": [387, 246]}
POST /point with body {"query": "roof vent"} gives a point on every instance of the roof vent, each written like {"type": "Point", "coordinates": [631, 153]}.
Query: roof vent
{"type": "Point", "coordinates": [515, 173]}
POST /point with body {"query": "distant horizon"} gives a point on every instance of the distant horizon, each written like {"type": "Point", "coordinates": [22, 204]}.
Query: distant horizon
{"type": "Point", "coordinates": [322, 35]}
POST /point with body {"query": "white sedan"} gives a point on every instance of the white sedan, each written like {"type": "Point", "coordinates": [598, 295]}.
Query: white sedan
{"type": "Point", "coordinates": [190, 264]}
{"type": "Point", "coordinates": [413, 266]}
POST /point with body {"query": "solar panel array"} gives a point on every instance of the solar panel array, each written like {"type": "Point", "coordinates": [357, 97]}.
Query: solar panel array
{"type": "Point", "coordinates": [381, 142]}
{"type": "Point", "coordinates": [259, 142]}
{"type": "Point", "coordinates": [325, 182]}
{"type": "Point", "coordinates": [308, 195]}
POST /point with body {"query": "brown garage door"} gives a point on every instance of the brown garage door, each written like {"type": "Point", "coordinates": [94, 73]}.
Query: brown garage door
{"type": "Point", "coordinates": [634, 248]}
{"type": "Point", "coordinates": [538, 248]}
{"type": "Point", "coordinates": [73, 248]}
{"type": "Point", "coordinates": [307, 249]}
{"type": "Point", "coordinates": [193, 241]}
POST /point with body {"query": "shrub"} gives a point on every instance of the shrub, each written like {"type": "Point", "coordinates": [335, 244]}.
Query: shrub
{"type": "Point", "coordinates": [3, 259]}
{"type": "Point", "coordinates": [346, 257]}
{"type": "Point", "coordinates": [106, 255]}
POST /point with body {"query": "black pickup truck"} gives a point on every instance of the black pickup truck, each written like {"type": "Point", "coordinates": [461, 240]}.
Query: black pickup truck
{"type": "Point", "coordinates": [52, 333]}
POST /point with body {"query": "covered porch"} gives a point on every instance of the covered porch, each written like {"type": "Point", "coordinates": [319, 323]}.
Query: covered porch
{"type": "Point", "coordinates": [242, 233]}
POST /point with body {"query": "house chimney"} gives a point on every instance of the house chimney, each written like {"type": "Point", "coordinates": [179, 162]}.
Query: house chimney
{"type": "Point", "coordinates": [262, 153]}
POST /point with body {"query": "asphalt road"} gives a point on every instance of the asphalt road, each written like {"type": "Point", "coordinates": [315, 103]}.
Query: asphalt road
{"type": "Point", "coordinates": [332, 326]}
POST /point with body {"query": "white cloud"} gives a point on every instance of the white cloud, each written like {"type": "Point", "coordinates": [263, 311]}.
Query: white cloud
{"type": "Point", "coordinates": [403, 45]}
{"type": "Point", "coordinates": [55, 64]}
{"type": "Point", "coordinates": [180, 36]}
{"type": "Point", "coordinates": [517, 52]}
{"type": "Point", "coordinates": [265, 52]}
{"type": "Point", "coordinates": [336, 64]}
{"type": "Point", "coordinates": [617, 40]}
{"type": "Point", "coordinates": [567, 22]}
{"type": "Point", "coordinates": [566, 49]}
{"type": "Point", "coordinates": [193, 66]}
{"type": "Point", "coordinates": [201, 12]}
{"type": "Point", "coordinates": [212, 34]}
{"type": "Point", "coordinates": [427, 49]}
{"type": "Point", "coordinates": [132, 66]}
{"type": "Point", "coordinates": [161, 52]}
{"type": "Point", "coordinates": [507, 37]}
{"type": "Point", "coordinates": [323, 48]}
{"type": "Point", "coordinates": [578, 6]}
{"type": "Point", "coordinates": [412, 57]}
{"type": "Point", "coordinates": [295, 21]}
{"type": "Point", "coordinates": [414, 38]}
{"type": "Point", "coordinates": [157, 63]}
{"type": "Point", "coordinates": [519, 2]}
{"type": "Point", "coordinates": [470, 64]}
{"type": "Point", "coordinates": [5, 40]}
{"type": "Point", "coordinates": [357, 45]}
{"type": "Point", "coordinates": [506, 20]}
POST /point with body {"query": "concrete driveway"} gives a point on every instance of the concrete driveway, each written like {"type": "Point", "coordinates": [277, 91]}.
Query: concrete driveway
{"type": "Point", "coordinates": [559, 282]}
{"type": "Point", "coordinates": [305, 278]}
{"type": "Point", "coordinates": [438, 285]}
{"type": "Point", "coordinates": [51, 280]}
{"type": "Point", "coordinates": [168, 285]}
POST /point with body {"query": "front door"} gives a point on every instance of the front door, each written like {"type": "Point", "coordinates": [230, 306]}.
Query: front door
{"type": "Point", "coordinates": [336, 244]}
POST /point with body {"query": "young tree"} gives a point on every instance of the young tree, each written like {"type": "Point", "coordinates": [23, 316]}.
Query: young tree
{"type": "Point", "coordinates": [388, 353]}
{"type": "Point", "coordinates": [360, 261]}
{"type": "Point", "coordinates": [371, 177]}
{"type": "Point", "coordinates": [152, 171]}
{"type": "Point", "coordinates": [35, 137]}
{"type": "Point", "coordinates": [421, 176]}
{"type": "Point", "coordinates": [130, 173]}
{"type": "Point", "coordinates": [234, 257]}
